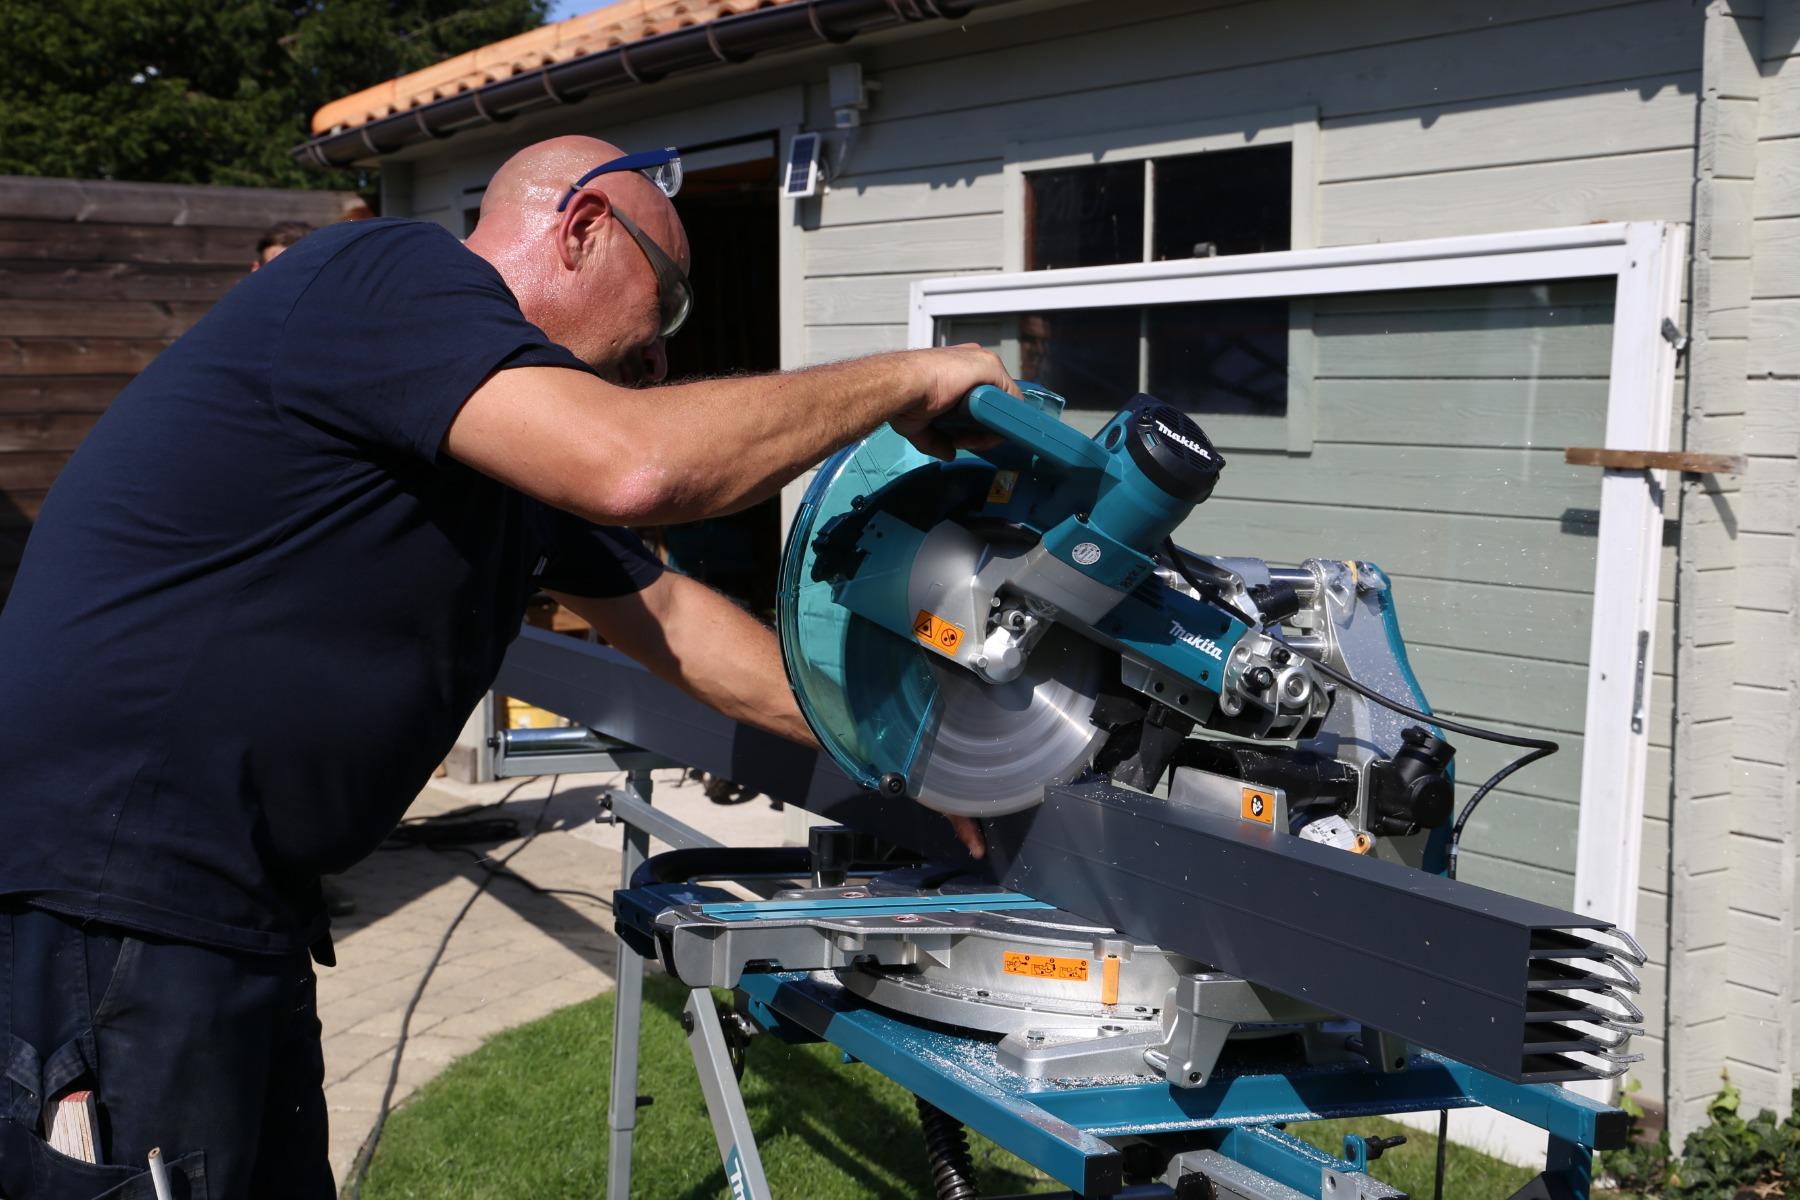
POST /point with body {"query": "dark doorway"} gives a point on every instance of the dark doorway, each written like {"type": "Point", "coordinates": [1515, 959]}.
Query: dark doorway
{"type": "Point", "coordinates": [730, 215]}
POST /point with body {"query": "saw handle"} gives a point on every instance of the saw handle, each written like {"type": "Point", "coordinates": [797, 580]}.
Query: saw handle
{"type": "Point", "coordinates": [1025, 424]}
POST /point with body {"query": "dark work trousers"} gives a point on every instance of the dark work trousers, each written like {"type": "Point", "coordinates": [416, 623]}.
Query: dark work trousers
{"type": "Point", "coordinates": [210, 1055]}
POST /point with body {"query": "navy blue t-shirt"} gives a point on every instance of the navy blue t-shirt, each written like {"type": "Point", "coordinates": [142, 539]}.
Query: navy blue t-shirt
{"type": "Point", "coordinates": [260, 601]}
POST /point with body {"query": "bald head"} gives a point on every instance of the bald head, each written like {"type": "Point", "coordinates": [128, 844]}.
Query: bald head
{"type": "Point", "coordinates": [578, 274]}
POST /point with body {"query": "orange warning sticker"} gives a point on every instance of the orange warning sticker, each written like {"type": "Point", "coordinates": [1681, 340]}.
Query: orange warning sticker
{"type": "Point", "coordinates": [1043, 966]}
{"type": "Point", "coordinates": [1259, 806]}
{"type": "Point", "coordinates": [1001, 490]}
{"type": "Point", "coordinates": [936, 632]}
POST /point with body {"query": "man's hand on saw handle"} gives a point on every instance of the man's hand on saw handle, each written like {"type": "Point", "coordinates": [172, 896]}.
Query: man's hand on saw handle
{"type": "Point", "coordinates": [950, 373]}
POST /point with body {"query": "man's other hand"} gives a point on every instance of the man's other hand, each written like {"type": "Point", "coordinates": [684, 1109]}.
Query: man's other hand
{"type": "Point", "coordinates": [969, 834]}
{"type": "Point", "coordinates": [947, 374]}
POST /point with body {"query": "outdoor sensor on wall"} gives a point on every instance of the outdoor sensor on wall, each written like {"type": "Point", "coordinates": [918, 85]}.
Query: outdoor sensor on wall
{"type": "Point", "coordinates": [801, 177]}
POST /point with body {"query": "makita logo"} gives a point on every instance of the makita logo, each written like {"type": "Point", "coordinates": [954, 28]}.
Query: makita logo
{"type": "Point", "coordinates": [1190, 443]}
{"type": "Point", "coordinates": [1204, 645]}
{"type": "Point", "coordinates": [734, 1171]}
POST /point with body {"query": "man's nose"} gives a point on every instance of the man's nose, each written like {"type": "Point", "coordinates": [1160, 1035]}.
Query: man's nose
{"type": "Point", "coordinates": [656, 361]}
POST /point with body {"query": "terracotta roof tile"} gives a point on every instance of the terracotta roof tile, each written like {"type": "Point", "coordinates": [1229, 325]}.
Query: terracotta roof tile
{"type": "Point", "coordinates": [616, 24]}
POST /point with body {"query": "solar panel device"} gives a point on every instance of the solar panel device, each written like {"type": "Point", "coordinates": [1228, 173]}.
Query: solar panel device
{"type": "Point", "coordinates": [800, 178]}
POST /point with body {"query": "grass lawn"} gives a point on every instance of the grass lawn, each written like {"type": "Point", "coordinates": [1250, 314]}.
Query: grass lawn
{"type": "Point", "coordinates": [525, 1116]}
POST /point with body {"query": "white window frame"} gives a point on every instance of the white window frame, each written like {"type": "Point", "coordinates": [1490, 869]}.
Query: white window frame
{"type": "Point", "coordinates": [1295, 127]}
{"type": "Point", "coordinates": [1645, 261]}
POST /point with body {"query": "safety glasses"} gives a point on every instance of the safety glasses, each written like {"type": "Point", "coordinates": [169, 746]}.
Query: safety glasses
{"type": "Point", "coordinates": [661, 167]}
{"type": "Point", "coordinates": [674, 294]}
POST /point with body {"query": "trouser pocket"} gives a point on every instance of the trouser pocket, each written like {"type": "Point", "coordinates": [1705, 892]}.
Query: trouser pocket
{"type": "Point", "coordinates": [31, 1170]}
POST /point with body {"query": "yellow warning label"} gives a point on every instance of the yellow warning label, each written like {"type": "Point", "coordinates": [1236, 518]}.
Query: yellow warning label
{"type": "Point", "coordinates": [1259, 806]}
{"type": "Point", "coordinates": [1043, 966]}
{"type": "Point", "coordinates": [1001, 490]}
{"type": "Point", "coordinates": [936, 632]}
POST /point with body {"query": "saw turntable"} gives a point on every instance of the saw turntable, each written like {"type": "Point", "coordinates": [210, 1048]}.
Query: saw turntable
{"type": "Point", "coordinates": [1220, 896]}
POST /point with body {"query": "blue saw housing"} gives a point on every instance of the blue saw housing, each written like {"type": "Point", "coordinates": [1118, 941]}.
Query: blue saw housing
{"type": "Point", "coordinates": [860, 665]}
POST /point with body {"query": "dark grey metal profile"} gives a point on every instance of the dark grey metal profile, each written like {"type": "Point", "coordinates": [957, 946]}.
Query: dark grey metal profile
{"type": "Point", "coordinates": [730, 39]}
{"type": "Point", "coordinates": [1475, 975]}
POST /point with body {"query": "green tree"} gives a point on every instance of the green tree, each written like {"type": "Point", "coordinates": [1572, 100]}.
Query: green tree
{"type": "Point", "coordinates": [191, 91]}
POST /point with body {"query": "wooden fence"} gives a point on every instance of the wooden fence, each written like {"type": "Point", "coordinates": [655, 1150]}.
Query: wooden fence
{"type": "Point", "coordinates": [95, 280]}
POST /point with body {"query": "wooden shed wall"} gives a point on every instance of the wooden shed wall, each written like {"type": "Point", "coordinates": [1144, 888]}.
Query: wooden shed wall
{"type": "Point", "coordinates": [96, 278]}
{"type": "Point", "coordinates": [1434, 120]}
{"type": "Point", "coordinates": [1742, 887]}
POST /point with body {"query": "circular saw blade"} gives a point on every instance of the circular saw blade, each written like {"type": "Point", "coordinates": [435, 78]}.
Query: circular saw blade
{"type": "Point", "coordinates": [994, 747]}
{"type": "Point", "coordinates": [885, 707]}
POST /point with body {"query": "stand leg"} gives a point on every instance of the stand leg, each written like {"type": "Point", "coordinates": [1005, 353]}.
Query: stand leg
{"type": "Point", "coordinates": [724, 1101]}
{"type": "Point", "coordinates": [628, 1006]}
{"type": "Point", "coordinates": [1568, 1173]}
{"type": "Point", "coordinates": [1574, 1162]}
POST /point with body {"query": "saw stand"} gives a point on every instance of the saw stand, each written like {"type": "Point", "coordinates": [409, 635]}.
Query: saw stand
{"type": "Point", "coordinates": [520, 752]}
{"type": "Point", "coordinates": [1224, 1139]}
{"type": "Point", "coordinates": [1210, 1134]}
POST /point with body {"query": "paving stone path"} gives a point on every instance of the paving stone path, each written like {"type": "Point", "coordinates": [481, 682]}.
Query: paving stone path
{"type": "Point", "coordinates": [517, 956]}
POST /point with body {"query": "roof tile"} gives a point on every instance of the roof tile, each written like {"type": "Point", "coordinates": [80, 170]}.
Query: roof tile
{"type": "Point", "coordinates": [617, 24]}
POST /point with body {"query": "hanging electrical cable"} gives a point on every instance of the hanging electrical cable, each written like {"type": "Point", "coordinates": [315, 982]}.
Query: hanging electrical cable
{"type": "Point", "coordinates": [1536, 747]}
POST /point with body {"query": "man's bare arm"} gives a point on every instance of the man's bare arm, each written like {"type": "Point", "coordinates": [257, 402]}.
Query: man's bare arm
{"type": "Point", "coordinates": [701, 642]}
{"type": "Point", "coordinates": [622, 456]}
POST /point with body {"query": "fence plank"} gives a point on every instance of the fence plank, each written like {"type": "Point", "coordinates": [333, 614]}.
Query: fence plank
{"type": "Point", "coordinates": [99, 318]}
{"type": "Point", "coordinates": [60, 393]}
{"type": "Point", "coordinates": [106, 202]}
{"type": "Point", "coordinates": [30, 471]}
{"type": "Point", "coordinates": [45, 431]}
{"type": "Point", "coordinates": [78, 356]}
{"type": "Point", "coordinates": [56, 241]}
{"type": "Point", "coordinates": [46, 280]}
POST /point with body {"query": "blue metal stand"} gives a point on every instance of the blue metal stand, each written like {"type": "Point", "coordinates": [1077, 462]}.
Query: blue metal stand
{"type": "Point", "coordinates": [1088, 1133]}
{"type": "Point", "coordinates": [1068, 1129]}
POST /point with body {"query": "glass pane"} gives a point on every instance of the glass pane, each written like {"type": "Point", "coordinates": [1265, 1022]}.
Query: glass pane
{"type": "Point", "coordinates": [1214, 359]}
{"type": "Point", "coordinates": [1084, 216]}
{"type": "Point", "coordinates": [1221, 359]}
{"type": "Point", "coordinates": [1437, 422]}
{"type": "Point", "coordinates": [1225, 202]}
{"type": "Point", "coordinates": [1082, 356]}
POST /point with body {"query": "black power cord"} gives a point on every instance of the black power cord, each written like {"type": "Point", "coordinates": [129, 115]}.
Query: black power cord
{"type": "Point", "coordinates": [1437, 1190]}
{"type": "Point", "coordinates": [1537, 747]}
{"type": "Point", "coordinates": [366, 1155]}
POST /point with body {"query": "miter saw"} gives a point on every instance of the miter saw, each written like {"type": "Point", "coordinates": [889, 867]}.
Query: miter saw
{"type": "Point", "coordinates": [967, 632]}
{"type": "Point", "coordinates": [1222, 810]}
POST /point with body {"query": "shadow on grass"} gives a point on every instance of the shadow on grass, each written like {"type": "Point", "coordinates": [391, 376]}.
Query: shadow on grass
{"type": "Point", "coordinates": [526, 1116]}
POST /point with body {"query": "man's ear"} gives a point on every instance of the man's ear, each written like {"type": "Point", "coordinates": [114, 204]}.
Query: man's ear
{"type": "Point", "coordinates": [579, 231]}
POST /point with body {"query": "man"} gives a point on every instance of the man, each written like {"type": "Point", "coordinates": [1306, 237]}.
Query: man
{"type": "Point", "coordinates": [267, 589]}
{"type": "Point", "coordinates": [275, 239]}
